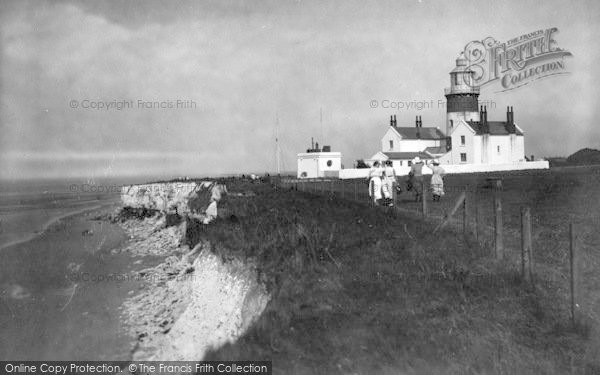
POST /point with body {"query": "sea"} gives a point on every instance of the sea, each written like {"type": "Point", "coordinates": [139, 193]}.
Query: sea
{"type": "Point", "coordinates": [29, 207]}
{"type": "Point", "coordinates": [59, 297]}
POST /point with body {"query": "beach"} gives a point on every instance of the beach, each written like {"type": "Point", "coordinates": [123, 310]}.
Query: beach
{"type": "Point", "coordinates": [61, 283]}
{"type": "Point", "coordinates": [50, 312]}
{"type": "Point", "coordinates": [97, 284]}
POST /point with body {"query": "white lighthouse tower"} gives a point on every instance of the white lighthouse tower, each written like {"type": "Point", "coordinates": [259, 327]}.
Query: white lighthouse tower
{"type": "Point", "coordinates": [462, 96]}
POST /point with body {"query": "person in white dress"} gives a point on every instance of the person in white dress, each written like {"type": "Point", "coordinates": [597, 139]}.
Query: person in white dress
{"type": "Point", "coordinates": [437, 180]}
{"type": "Point", "coordinates": [388, 181]}
{"type": "Point", "coordinates": [375, 175]}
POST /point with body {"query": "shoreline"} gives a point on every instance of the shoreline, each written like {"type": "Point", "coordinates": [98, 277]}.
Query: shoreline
{"type": "Point", "coordinates": [47, 225]}
{"type": "Point", "coordinates": [57, 300]}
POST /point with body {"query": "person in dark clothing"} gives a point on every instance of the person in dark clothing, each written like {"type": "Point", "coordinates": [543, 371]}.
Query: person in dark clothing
{"type": "Point", "coordinates": [416, 171]}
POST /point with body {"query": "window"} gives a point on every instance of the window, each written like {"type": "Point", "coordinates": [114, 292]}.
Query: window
{"type": "Point", "coordinates": [400, 163]}
{"type": "Point", "coordinates": [451, 124]}
{"type": "Point", "coordinates": [391, 144]}
{"type": "Point", "coordinates": [409, 163]}
{"type": "Point", "coordinates": [498, 149]}
{"type": "Point", "coordinates": [463, 157]}
{"type": "Point", "coordinates": [462, 140]}
{"type": "Point", "coordinates": [329, 163]}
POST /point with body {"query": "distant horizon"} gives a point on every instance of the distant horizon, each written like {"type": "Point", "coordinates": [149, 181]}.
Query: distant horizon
{"type": "Point", "coordinates": [140, 177]}
{"type": "Point", "coordinates": [147, 87]}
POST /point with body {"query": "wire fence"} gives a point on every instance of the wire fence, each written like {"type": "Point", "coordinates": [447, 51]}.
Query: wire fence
{"type": "Point", "coordinates": [535, 222]}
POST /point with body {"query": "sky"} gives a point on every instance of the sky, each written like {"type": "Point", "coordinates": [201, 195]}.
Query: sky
{"type": "Point", "coordinates": [204, 87]}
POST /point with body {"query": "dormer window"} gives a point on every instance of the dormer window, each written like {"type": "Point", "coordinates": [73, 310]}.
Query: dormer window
{"type": "Point", "coordinates": [391, 144]}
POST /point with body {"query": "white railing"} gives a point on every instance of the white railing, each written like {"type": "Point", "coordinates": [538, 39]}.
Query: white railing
{"type": "Point", "coordinates": [462, 90]}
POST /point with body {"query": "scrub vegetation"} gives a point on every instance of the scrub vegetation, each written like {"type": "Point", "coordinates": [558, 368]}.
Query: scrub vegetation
{"type": "Point", "coordinates": [358, 289]}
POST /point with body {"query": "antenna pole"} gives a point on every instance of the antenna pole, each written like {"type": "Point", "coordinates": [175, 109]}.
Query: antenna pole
{"type": "Point", "coordinates": [321, 120]}
{"type": "Point", "coordinates": [277, 150]}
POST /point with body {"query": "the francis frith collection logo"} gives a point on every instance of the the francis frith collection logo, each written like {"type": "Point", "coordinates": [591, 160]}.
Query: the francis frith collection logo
{"type": "Point", "coordinates": [517, 62]}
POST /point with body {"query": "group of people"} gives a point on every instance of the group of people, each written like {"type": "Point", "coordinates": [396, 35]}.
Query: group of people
{"type": "Point", "coordinates": [383, 181]}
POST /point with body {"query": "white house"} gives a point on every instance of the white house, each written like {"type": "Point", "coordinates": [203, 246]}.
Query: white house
{"type": "Point", "coordinates": [486, 142]}
{"type": "Point", "coordinates": [403, 144]}
{"type": "Point", "coordinates": [469, 137]}
{"type": "Point", "coordinates": [316, 162]}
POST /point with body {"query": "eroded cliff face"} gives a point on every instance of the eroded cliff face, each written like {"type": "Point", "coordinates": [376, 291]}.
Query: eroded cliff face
{"type": "Point", "coordinates": [225, 299]}
{"type": "Point", "coordinates": [191, 302]}
{"type": "Point", "coordinates": [182, 198]}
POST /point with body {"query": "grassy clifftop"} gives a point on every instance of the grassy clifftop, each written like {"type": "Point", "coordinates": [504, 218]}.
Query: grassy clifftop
{"type": "Point", "coordinates": [363, 290]}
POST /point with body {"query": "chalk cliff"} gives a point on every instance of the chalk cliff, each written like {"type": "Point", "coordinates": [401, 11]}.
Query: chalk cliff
{"type": "Point", "coordinates": [194, 199]}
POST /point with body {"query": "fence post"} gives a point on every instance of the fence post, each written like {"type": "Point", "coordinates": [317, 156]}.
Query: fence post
{"type": "Point", "coordinates": [477, 221]}
{"type": "Point", "coordinates": [526, 251]}
{"type": "Point", "coordinates": [423, 199]}
{"type": "Point", "coordinates": [371, 195]}
{"type": "Point", "coordinates": [498, 228]}
{"type": "Point", "coordinates": [465, 214]}
{"type": "Point", "coordinates": [574, 263]}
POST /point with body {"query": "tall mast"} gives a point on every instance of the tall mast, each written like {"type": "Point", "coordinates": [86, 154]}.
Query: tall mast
{"type": "Point", "coordinates": [321, 120]}
{"type": "Point", "coordinates": [277, 149]}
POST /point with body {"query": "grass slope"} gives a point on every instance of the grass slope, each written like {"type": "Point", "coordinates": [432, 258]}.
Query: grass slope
{"type": "Point", "coordinates": [364, 290]}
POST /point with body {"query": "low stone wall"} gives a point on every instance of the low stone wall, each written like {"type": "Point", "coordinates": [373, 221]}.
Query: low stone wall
{"type": "Point", "coordinates": [455, 169]}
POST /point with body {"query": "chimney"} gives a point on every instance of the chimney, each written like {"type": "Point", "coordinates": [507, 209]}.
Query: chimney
{"type": "Point", "coordinates": [485, 114]}
{"type": "Point", "coordinates": [420, 122]}
{"type": "Point", "coordinates": [486, 127]}
{"type": "Point", "coordinates": [391, 120]}
{"type": "Point", "coordinates": [395, 122]}
{"type": "Point", "coordinates": [481, 127]}
{"type": "Point", "coordinates": [312, 143]}
{"type": "Point", "coordinates": [417, 122]}
{"type": "Point", "coordinates": [512, 119]}
{"type": "Point", "coordinates": [317, 147]}
{"type": "Point", "coordinates": [418, 127]}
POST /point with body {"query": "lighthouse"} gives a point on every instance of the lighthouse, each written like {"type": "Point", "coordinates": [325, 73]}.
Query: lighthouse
{"type": "Point", "coordinates": [462, 96]}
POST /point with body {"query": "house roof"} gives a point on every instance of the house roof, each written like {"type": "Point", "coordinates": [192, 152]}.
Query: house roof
{"type": "Point", "coordinates": [496, 128]}
{"type": "Point", "coordinates": [425, 133]}
{"type": "Point", "coordinates": [406, 155]}
{"type": "Point", "coordinates": [436, 150]}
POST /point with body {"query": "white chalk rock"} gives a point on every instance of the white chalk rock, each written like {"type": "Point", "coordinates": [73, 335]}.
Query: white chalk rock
{"type": "Point", "coordinates": [183, 198]}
